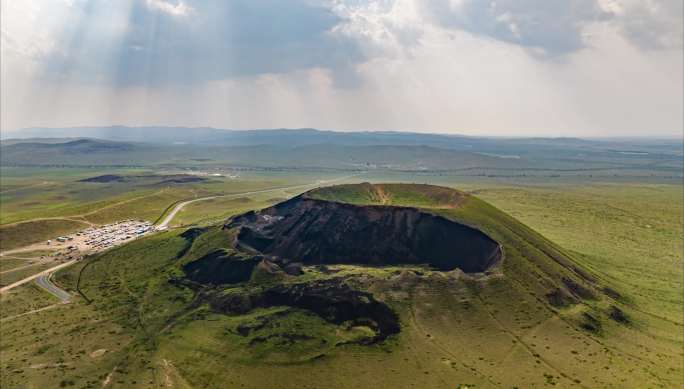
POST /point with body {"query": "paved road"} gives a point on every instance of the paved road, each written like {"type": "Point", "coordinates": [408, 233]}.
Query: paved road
{"type": "Point", "coordinates": [43, 278]}
{"type": "Point", "coordinates": [33, 277]}
{"type": "Point", "coordinates": [165, 223]}
{"type": "Point", "coordinates": [44, 282]}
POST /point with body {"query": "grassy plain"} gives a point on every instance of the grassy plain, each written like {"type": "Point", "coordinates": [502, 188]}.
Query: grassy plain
{"type": "Point", "coordinates": [10, 277]}
{"type": "Point", "coordinates": [219, 209]}
{"type": "Point", "coordinates": [26, 298]}
{"type": "Point", "coordinates": [36, 205]}
{"type": "Point", "coordinates": [22, 234]}
{"type": "Point", "coordinates": [629, 235]}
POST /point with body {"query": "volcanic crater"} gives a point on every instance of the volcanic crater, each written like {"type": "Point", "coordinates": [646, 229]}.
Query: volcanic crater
{"type": "Point", "coordinates": [312, 231]}
{"type": "Point", "coordinates": [286, 256]}
{"type": "Point", "coordinates": [317, 231]}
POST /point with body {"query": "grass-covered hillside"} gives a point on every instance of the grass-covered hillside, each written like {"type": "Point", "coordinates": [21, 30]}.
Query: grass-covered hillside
{"type": "Point", "coordinates": [413, 195]}
{"type": "Point", "coordinates": [539, 317]}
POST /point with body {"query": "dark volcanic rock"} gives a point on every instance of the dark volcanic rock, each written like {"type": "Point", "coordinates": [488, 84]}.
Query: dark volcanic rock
{"type": "Point", "coordinates": [323, 232]}
{"type": "Point", "coordinates": [233, 303]}
{"type": "Point", "coordinates": [578, 289]}
{"type": "Point", "coordinates": [221, 267]}
{"type": "Point", "coordinates": [618, 315]}
{"type": "Point", "coordinates": [293, 269]}
{"type": "Point", "coordinates": [192, 233]}
{"type": "Point", "coordinates": [104, 178]}
{"type": "Point", "coordinates": [590, 323]}
{"type": "Point", "coordinates": [612, 293]}
{"type": "Point", "coordinates": [165, 179]}
{"type": "Point", "coordinates": [189, 235]}
{"type": "Point", "coordinates": [560, 298]}
{"type": "Point", "coordinates": [181, 179]}
{"type": "Point", "coordinates": [332, 300]}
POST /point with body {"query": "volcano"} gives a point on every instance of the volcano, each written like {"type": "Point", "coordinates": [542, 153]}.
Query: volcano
{"type": "Point", "coordinates": [316, 231]}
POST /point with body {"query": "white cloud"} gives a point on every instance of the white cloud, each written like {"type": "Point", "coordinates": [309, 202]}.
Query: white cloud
{"type": "Point", "coordinates": [617, 75]}
{"type": "Point", "coordinates": [652, 24]}
{"type": "Point", "coordinates": [178, 9]}
{"type": "Point", "coordinates": [550, 27]}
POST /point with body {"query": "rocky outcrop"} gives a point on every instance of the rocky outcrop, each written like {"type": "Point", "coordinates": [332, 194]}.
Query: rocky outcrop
{"type": "Point", "coordinates": [315, 231]}
{"type": "Point", "coordinates": [332, 300]}
{"type": "Point", "coordinates": [221, 267]}
{"type": "Point", "coordinates": [104, 178]}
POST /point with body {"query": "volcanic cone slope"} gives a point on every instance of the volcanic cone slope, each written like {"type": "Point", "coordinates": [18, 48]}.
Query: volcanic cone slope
{"type": "Point", "coordinates": [405, 224]}
{"type": "Point", "coordinates": [317, 231]}
{"type": "Point", "coordinates": [371, 286]}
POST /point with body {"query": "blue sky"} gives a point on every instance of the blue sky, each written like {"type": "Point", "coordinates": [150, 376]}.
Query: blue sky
{"type": "Point", "coordinates": [505, 67]}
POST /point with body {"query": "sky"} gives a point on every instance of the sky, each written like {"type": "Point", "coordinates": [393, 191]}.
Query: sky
{"type": "Point", "coordinates": [593, 68]}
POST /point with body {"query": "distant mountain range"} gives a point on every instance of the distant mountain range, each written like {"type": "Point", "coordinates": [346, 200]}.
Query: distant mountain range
{"type": "Point", "coordinates": [213, 136]}
{"type": "Point", "coordinates": [309, 136]}
{"type": "Point", "coordinates": [352, 151]}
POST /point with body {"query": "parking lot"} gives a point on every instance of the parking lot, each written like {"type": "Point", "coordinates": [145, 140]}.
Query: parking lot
{"type": "Point", "coordinates": [96, 239]}
{"type": "Point", "coordinates": [89, 241]}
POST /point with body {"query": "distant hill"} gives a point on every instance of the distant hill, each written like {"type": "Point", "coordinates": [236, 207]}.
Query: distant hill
{"type": "Point", "coordinates": [76, 146]}
{"type": "Point", "coordinates": [213, 136]}
{"type": "Point", "coordinates": [349, 151]}
{"type": "Point", "coordinates": [307, 136]}
{"type": "Point", "coordinates": [310, 136]}
{"type": "Point", "coordinates": [325, 156]}
{"type": "Point", "coordinates": [74, 152]}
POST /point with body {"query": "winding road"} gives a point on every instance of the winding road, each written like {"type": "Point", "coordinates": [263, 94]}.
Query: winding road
{"type": "Point", "coordinates": [43, 278]}
{"type": "Point", "coordinates": [38, 275]}
{"type": "Point", "coordinates": [45, 283]}
{"type": "Point", "coordinates": [165, 223]}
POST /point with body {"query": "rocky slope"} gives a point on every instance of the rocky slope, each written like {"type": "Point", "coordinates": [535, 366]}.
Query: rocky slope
{"type": "Point", "coordinates": [316, 231]}
{"type": "Point", "coordinates": [355, 255]}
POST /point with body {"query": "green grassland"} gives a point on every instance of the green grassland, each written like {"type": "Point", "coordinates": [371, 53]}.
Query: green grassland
{"type": "Point", "coordinates": [21, 300]}
{"type": "Point", "coordinates": [11, 265]}
{"type": "Point", "coordinates": [20, 265]}
{"type": "Point", "coordinates": [484, 333]}
{"type": "Point", "coordinates": [453, 332]}
{"type": "Point", "coordinates": [25, 233]}
{"type": "Point", "coordinates": [10, 277]}
{"type": "Point", "coordinates": [219, 209]}
{"type": "Point", "coordinates": [629, 234]}
{"type": "Point", "coordinates": [40, 205]}
{"type": "Point", "coordinates": [391, 194]}
{"type": "Point", "coordinates": [66, 196]}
